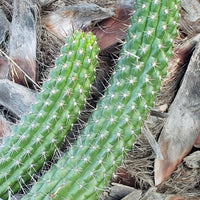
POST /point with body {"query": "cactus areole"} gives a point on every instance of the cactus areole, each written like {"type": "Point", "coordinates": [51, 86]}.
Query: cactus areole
{"type": "Point", "coordinates": [84, 171]}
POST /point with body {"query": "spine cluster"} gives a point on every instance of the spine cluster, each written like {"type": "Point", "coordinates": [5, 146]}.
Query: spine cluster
{"type": "Point", "coordinates": [39, 133]}
{"type": "Point", "coordinates": [87, 167]}
{"type": "Point", "coordinates": [84, 171]}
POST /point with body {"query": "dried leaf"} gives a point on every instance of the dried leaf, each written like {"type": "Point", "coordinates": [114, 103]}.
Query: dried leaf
{"type": "Point", "coordinates": [183, 124]}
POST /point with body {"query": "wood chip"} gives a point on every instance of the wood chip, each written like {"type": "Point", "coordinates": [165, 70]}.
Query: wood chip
{"type": "Point", "coordinates": [118, 191]}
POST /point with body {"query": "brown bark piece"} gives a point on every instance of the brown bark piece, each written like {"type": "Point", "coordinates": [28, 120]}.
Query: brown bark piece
{"type": "Point", "coordinates": [16, 98]}
{"type": "Point", "coordinates": [76, 17]}
{"type": "Point", "coordinates": [183, 124]}
{"type": "Point", "coordinates": [23, 42]}
{"type": "Point", "coordinates": [118, 191]}
{"type": "Point", "coordinates": [124, 177]}
{"type": "Point", "coordinates": [113, 30]}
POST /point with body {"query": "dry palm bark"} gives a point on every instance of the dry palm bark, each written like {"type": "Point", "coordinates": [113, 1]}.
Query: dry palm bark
{"type": "Point", "coordinates": [82, 16]}
{"type": "Point", "coordinates": [119, 191]}
{"type": "Point", "coordinates": [182, 127]}
{"type": "Point", "coordinates": [189, 22]}
{"type": "Point", "coordinates": [15, 98]}
{"type": "Point", "coordinates": [23, 42]}
{"type": "Point", "coordinates": [113, 30]}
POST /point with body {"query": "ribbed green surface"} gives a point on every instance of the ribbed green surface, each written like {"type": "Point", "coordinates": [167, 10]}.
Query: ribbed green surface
{"type": "Point", "coordinates": [88, 166]}
{"type": "Point", "coordinates": [39, 133]}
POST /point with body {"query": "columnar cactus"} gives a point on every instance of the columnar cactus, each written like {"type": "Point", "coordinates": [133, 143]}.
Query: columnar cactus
{"type": "Point", "coordinates": [39, 133]}
{"type": "Point", "coordinates": [87, 167]}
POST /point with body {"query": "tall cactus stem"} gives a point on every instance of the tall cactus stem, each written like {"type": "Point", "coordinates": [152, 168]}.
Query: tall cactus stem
{"type": "Point", "coordinates": [34, 140]}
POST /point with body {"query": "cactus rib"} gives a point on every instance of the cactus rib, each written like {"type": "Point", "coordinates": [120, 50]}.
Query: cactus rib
{"type": "Point", "coordinates": [40, 132]}
{"type": "Point", "coordinates": [86, 169]}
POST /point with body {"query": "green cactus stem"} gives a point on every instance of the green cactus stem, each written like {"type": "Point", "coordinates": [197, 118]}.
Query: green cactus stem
{"type": "Point", "coordinates": [39, 133]}
{"type": "Point", "coordinates": [86, 169]}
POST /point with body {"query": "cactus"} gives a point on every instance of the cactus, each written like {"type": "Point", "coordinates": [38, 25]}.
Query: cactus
{"type": "Point", "coordinates": [39, 133]}
{"type": "Point", "coordinates": [86, 169]}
